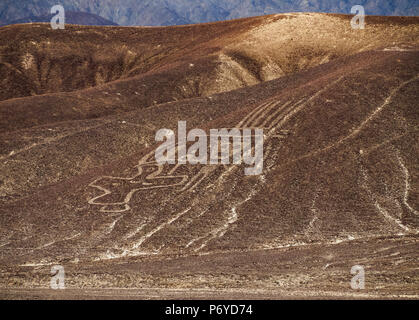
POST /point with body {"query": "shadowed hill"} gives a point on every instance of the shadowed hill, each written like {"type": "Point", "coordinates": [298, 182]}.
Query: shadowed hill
{"type": "Point", "coordinates": [123, 69]}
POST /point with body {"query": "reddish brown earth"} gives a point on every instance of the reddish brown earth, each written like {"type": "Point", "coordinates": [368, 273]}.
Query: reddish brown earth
{"type": "Point", "coordinates": [78, 187]}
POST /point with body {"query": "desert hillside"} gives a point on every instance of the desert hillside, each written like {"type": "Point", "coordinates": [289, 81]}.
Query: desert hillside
{"type": "Point", "coordinates": [158, 65]}
{"type": "Point", "coordinates": [79, 185]}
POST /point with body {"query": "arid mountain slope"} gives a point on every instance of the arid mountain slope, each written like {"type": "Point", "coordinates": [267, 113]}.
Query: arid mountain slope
{"type": "Point", "coordinates": [157, 65]}
{"type": "Point", "coordinates": [339, 185]}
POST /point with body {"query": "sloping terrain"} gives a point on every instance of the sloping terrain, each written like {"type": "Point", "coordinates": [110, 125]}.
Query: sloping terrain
{"type": "Point", "coordinates": [80, 186]}
{"type": "Point", "coordinates": [157, 65]}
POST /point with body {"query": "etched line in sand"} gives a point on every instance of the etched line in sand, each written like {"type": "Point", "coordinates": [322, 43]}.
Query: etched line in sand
{"type": "Point", "coordinates": [203, 173]}
{"type": "Point", "coordinates": [275, 113]}
{"type": "Point", "coordinates": [311, 228]}
{"type": "Point", "coordinates": [255, 121]}
{"type": "Point", "coordinates": [380, 108]}
{"type": "Point", "coordinates": [112, 225]}
{"type": "Point", "coordinates": [140, 181]}
{"type": "Point", "coordinates": [221, 231]}
{"type": "Point", "coordinates": [380, 208]}
{"type": "Point", "coordinates": [407, 186]}
{"type": "Point", "coordinates": [50, 140]}
{"type": "Point", "coordinates": [249, 117]}
{"type": "Point", "coordinates": [158, 228]}
{"type": "Point", "coordinates": [136, 231]}
{"type": "Point", "coordinates": [283, 112]}
{"type": "Point", "coordinates": [389, 217]}
{"type": "Point", "coordinates": [301, 106]}
{"type": "Point", "coordinates": [356, 131]}
{"type": "Point", "coordinates": [250, 121]}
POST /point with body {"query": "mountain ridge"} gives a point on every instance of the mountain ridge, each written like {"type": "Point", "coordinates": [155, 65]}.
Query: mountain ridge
{"type": "Point", "coordinates": [72, 17]}
{"type": "Point", "coordinates": [179, 12]}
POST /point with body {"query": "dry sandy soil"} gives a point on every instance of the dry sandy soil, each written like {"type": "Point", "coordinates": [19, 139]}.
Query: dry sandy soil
{"type": "Point", "coordinates": [79, 186]}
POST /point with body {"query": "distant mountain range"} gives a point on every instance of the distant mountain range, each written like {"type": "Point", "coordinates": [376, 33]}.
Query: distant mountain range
{"type": "Point", "coordinates": [175, 12]}
{"type": "Point", "coordinates": [81, 18]}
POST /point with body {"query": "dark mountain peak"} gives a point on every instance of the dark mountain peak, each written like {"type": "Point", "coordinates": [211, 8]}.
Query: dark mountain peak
{"type": "Point", "coordinates": [71, 17]}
